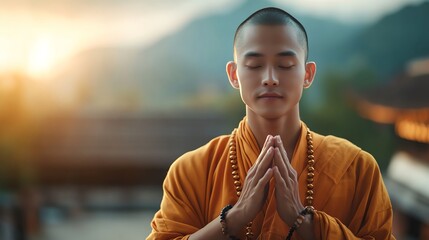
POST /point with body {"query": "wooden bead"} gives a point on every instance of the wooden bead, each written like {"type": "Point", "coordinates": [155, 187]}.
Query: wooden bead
{"type": "Point", "coordinates": [310, 175]}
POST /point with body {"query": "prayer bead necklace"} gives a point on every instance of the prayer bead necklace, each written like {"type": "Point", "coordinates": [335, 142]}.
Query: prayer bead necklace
{"type": "Point", "coordinates": [236, 176]}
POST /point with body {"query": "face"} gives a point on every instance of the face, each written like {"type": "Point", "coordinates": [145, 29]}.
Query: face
{"type": "Point", "coordinates": [270, 70]}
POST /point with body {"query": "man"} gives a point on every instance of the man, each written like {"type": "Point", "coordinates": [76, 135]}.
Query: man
{"type": "Point", "coordinates": [266, 178]}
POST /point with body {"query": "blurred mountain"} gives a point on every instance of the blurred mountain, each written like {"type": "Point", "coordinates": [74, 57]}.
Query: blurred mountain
{"type": "Point", "coordinates": [187, 68]}
{"type": "Point", "coordinates": [184, 67]}
{"type": "Point", "coordinates": [388, 45]}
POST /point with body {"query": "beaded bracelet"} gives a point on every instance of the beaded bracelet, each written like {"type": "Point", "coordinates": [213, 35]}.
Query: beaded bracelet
{"type": "Point", "coordinates": [299, 220]}
{"type": "Point", "coordinates": [223, 222]}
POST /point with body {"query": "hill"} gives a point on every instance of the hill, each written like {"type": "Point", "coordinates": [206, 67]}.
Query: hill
{"type": "Point", "coordinates": [184, 67]}
{"type": "Point", "coordinates": [388, 45]}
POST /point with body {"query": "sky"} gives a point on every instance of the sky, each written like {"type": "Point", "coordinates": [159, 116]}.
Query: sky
{"type": "Point", "coordinates": [35, 35]}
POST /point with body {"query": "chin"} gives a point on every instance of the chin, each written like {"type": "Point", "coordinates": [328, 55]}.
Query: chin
{"type": "Point", "coordinates": [271, 115]}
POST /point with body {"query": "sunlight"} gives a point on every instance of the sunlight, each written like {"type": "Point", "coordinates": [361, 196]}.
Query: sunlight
{"type": "Point", "coordinates": [41, 57]}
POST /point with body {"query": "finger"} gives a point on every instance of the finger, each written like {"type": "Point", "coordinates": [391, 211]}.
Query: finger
{"type": "Point", "coordinates": [279, 144]}
{"type": "Point", "coordinates": [264, 150]}
{"type": "Point", "coordinates": [265, 163]}
{"type": "Point", "coordinates": [280, 182]}
{"type": "Point", "coordinates": [267, 144]}
{"type": "Point", "coordinates": [291, 170]}
{"type": "Point", "coordinates": [279, 162]}
{"type": "Point", "coordinates": [283, 170]}
{"type": "Point", "coordinates": [265, 179]}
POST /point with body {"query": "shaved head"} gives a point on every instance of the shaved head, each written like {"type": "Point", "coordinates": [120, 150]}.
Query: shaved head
{"type": "Point", "coordinates": [273, 16]}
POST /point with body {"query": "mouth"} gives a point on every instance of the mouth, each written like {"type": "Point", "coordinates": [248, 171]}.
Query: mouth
{"type": "Point", "coordinates": [270, 95]}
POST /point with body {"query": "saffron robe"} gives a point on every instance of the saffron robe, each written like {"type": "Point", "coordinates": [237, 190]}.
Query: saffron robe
{"type": "Point", "coordinates": [350, 198]}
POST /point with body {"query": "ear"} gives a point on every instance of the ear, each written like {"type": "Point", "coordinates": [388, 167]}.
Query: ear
{"type": "Point", "coordinates": [231, 71]}
{"type": "Point", "coordinates": [310, 72]}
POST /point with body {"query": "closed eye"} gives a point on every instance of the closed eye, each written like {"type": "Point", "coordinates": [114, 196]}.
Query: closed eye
{"type": "Point", "coordinates": [287, 67]}
{"type": "Point", "coordinates": [253, 66]}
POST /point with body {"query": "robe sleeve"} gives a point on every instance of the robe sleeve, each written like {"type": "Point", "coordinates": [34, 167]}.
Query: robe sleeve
{"type": "Point", "coordinates": [181, 210]}
{"type": "Point", "coordinates": [371, 214]}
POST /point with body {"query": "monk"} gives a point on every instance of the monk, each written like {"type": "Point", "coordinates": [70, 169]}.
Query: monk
{"type": "Point", "coordinates": [272, 177]}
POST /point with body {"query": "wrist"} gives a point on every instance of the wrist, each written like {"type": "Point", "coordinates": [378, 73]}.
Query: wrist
{"type": "Point", "coordinates": [304, 219]}
{"type": "Point", "coordinates": [306, 230]}
{"type": "Point", "coordinates": [234, 221]}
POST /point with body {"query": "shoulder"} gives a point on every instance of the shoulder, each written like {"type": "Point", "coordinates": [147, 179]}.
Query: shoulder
{"type": "Point", "coordinates": [341, 147]}
{"type": "Point", "coordinates": [338, 155]}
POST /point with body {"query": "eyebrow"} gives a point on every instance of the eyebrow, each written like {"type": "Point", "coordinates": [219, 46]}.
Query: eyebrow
{"type": "Point", "coordinates": [252, 54]}
{"type": "Point", "coordinates": [288, 53]}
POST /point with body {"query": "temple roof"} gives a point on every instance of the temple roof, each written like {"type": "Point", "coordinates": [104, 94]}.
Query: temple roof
{"type": "Point", "coordinates": [408, 91]}
{"type": "Point", "coordinates": [403, 102]}
{"type": "Point", "coordinates": [403, 93]}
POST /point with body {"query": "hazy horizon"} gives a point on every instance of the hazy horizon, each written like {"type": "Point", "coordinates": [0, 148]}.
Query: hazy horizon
{"type": "Point", "coordinates": [35, 36]}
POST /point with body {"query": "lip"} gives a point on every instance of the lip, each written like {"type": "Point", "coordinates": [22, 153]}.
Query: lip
{"type": "Point", "coordinates": [270, 95]}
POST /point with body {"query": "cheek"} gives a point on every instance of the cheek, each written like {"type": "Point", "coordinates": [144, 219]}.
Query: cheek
{"type": "Point", "coordinates": [296, 77]}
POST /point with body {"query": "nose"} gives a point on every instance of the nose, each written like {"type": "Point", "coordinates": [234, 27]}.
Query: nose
{"type": "Point", "coordinates": [270, 78]}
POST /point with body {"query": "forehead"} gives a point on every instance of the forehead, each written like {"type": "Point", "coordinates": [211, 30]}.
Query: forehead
{"type": "Point", "coordinates": [267, 40]}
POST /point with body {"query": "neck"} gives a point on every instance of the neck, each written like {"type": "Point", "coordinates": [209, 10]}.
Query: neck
{"type": "Point", "coordinates": [288, 128]}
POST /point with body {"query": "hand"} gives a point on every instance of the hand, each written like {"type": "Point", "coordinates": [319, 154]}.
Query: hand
{"type": "Point", "coordinates": [286, 188]}
{"type": "Point", "coordinates": [254, 192]}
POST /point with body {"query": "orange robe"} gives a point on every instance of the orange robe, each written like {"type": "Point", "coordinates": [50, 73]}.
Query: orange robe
{"type": "Point", "coordinates": [350, 198]}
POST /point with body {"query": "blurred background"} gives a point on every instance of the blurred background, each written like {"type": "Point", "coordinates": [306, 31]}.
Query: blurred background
{"type": "Point", "coordinates": [99, 97]}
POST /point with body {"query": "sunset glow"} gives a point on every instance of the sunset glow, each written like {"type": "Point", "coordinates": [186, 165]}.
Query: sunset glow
{"type": "Point", "coordinates": [41, 57]}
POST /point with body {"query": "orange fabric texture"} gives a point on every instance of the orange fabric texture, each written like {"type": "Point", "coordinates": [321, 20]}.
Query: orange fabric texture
{"type": "Point", "coordinates": [350, 198]}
